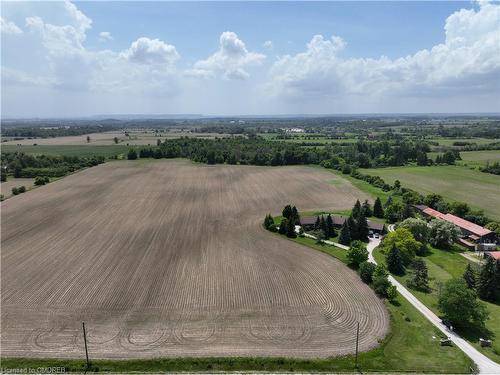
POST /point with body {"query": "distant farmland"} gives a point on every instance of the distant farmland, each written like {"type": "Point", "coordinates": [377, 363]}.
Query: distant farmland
{"type": "Point", "coordinates": [168, 258]}
{"type": "Point", "coordinates": [480, 190]}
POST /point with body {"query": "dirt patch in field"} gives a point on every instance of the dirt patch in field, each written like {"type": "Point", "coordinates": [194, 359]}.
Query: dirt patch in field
{"type": "Point", "coordinates": [168, 258]}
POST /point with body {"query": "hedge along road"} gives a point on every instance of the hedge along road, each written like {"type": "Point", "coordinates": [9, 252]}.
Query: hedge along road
{"type": "Point", "coordinates": [484, 364]}
{"type": "Point", "coordinates": [168, 258]}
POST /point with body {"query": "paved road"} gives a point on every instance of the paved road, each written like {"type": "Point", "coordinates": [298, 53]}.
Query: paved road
{"type": "Point", "coordinates": [485, 365]}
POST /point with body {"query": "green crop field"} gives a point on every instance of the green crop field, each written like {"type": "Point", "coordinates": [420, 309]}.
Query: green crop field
{"type": "Point", "coordinates": [70, 150]}
{"type": "Point", "coordinates": [476, 158]}
{"type": "Point", "coordinates": [478, 189]}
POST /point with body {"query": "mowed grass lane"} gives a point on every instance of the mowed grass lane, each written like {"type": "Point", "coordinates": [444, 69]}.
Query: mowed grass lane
{"type": "Point", "coordinates": [480, 190]}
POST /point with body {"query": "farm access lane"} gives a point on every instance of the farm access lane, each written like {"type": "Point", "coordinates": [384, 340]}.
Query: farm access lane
{"type": "Point", "coordinates": [484, 364]}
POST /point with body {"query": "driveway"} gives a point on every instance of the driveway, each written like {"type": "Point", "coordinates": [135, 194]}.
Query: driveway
{"type": "Point", "coordinates": [484, 364]}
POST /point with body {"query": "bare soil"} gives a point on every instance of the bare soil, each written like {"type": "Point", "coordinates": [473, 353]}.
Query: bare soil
{"type": "Point", "coordinates": [168, 258]}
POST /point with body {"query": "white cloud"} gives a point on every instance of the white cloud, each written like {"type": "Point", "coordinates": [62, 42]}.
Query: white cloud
{"type": "Point", "coordinates": [104, 36]}
{"type": "Point", "coordinates": [469, 59]}
{"type": "Point", "coordinates": [151, 51]}
{"type": "Point", "coordinates": [230, 60]}
{"type": "Point", "coordinates": [268, 44]}
{"type": "Point", "coordinates": [9, 27]}
{"type": "Point", "coordinates": [62, 61]}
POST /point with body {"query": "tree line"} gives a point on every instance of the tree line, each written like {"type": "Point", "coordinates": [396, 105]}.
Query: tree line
{"type": "Point", "coordinates": [19, 164]}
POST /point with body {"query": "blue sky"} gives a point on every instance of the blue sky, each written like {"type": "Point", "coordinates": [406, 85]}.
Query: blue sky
{"type": "Point", "coordinates": [84, 58]}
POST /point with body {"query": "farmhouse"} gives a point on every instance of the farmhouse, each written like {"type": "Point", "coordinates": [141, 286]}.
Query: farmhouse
{"type": "Point", "coordinates": [473, 236]}
{"type": "Point", "coordinates": [308, 222]}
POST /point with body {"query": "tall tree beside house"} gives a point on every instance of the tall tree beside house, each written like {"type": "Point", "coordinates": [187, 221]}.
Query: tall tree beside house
{"type": "Point", "coordinates": [362, 227]}
{"type": "Point", "coordinates": [290, 229]}
{"type": "Point", "coordinates": [353, 228]}
{"type": "Point", "coordinates": [317, 224]}
{"type": "Point", "coordinates": [295, 215]}
{"type": "Point", "coordinates": [330, 229]}
{"type": "Point", "coordinates": [287, 211]}
{"type": "Point", "coordinates": [470, 277]}
{"type": "Point", "coordinates": [378, 210]}
{"type": "Point", "coordinates": [486, 288]}
{"type": "Point", "coordinates": [283, 226]}
{"type": "Point", "coordinates": [345, 234]}
{"type": "Point", "coordinates": [356, 209]}
{"type": "Point", "coordinates": [367, 208]}
{"type": "Point", "coordinates": [394, 261]}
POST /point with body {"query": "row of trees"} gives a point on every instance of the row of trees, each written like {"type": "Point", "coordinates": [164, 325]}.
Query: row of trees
{"type": "Point", "coordinates": [355, 228]}
{"type": "Point", "coordinates": [259, 151]}
{"type": "Point", "coordinates": [20, 164]}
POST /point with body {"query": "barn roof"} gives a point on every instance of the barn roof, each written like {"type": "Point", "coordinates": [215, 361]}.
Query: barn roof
{"type": "Point", "coordinates": [493, 254]}
{"type": "Point", "coordinates": [458, 221]}
{"type": "Point", "coordinates": [467, 225]}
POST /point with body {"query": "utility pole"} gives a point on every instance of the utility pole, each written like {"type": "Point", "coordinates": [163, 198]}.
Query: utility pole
{"type": "Point", "coordinates": [357, 341]}
{"type": "Point", "coordinates": [85, 341]}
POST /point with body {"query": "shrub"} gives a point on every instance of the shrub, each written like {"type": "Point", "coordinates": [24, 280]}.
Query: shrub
{"type": "Point", "coordinates": [22, 189]}
{"type": "Point", "coordinates": [366, 270]}
{"type": "Point", "coordinates": [40, 181]}
{"type": "Point", "coordinates": [15, 191]}
{"type": "Point", "coordinates": [357, 253]}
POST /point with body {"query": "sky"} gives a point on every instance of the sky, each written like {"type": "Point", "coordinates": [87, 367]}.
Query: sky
{"type": "Point", "coordinates": [62, 58]}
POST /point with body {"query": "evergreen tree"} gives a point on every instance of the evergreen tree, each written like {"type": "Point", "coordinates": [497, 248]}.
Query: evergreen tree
{"type": "Point", "coordinates": [329, 227]}
{"type": "Point", "coordinates": [394, 261]}
{"type": "Point", "coordinates": [353, 228]}
{"type": "Point", "coordinates": [362, 227]}
{"type": "Point", "coordinates": [317, 224]}
{"type": "Point", "coordinates": [345, 234]}
{"type": "Point", "coordinates": [290, 230]}
{"type": "Point", "coordinates": [486, 288]}
{"type": "Point", "coordinates": [388, 202]}
{"type": "Point", "coordinates": [470, 277]}
{"type": "Point", "coordinates": [322, 225]}
{"type": "Point", "coordinates": [367, 208]}
{"type": "Point", "coordinates": [283, 226]}
{"type": "Point", "coordinates": [420, 280]}
{"type": "Point", "coordinates": [356, 209]}
{"type": "Point", "coordinates": [287, 211]}
{"type": "Point", "coordinates": [378, 210]}
{"type": "Point", "coordinates": [407, 212]}
{"type": "Point", "coordinates": [268, 221]}
{"type": "Point", "coordinates": [295, 215]}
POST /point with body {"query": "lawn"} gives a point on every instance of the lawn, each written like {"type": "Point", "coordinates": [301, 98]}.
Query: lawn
{"type": "Point", "coordinates": [478, 189]}
{"type": "Point", "coordinates": [444, 265]}
{"type": "Point", "coordinates": [69, 150]}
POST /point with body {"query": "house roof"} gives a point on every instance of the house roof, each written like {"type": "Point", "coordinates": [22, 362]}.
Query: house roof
{"type": "Point", "coordinates": [458, 221]}
{"type": "Point", "coordinates": [493, 254]}
{"type": "Point", "coordinates": [375, 226]}
{"type": "Point", "coordinates": [434, 213]}
{"type": "Point", "coordinates": [308, 220]}
{"type": "Point", "coordinates": [467, 225]}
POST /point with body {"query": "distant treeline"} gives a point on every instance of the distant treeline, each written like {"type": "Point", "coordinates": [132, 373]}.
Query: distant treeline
{"type": "Point", "coordinates": [19, 164]}
{"type": "Point", "coordinates": [51, 132]}
{"type": "Point", "coordinates": [493, 168]}
{"type": "Point", "coordinates": [258, 151]}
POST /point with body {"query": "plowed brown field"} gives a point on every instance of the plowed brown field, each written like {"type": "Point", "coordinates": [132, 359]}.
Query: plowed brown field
{"type": "Point", "coordinates": [168, 258]}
